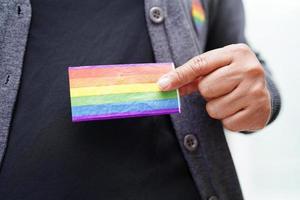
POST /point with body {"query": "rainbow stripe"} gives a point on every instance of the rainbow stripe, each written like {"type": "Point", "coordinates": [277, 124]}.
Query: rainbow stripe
{"type": "Point", "coordinates": [120, 91]}
{"type": "Point", "coordinates": [198, 13]}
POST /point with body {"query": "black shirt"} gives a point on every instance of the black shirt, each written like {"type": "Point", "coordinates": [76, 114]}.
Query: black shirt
{"type": "Point", "coordinates": [48, 156]}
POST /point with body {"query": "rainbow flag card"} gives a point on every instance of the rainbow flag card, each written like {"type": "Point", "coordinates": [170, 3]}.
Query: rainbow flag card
{"type": "Point", "coordinates": [120, 91]}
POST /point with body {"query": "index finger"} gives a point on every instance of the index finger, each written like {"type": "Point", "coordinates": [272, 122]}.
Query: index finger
{"type": "Point", "coordinates": [196, 67]}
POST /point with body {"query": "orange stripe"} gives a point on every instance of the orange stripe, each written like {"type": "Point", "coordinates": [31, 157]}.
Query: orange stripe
{"type": "Point", "coordinates": [118, 71]}
{"type": "Point", "coordinates": [116, 80]}
{"type": "Point", "coordinates": [197, 7]}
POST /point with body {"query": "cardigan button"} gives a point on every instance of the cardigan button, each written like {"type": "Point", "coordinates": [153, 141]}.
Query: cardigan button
{"type": "Point", "coordinates": [190, 142]}
{"type": "Point", "coordinates": [156, 15]}
{"type": "Point", "coordinates": [213, 198]}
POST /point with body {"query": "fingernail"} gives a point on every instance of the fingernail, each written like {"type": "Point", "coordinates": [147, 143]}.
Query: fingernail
{"type": "Point", "coordinates": [164, 83]}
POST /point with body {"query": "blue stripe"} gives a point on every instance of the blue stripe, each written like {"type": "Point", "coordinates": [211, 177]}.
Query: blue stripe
{"type": "Point", "coordinates": [124, 107]}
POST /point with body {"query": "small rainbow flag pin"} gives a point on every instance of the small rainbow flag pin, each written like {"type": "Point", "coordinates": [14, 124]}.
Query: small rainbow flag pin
{"type": "Point", "coordinates": [198, 13]}
{"type": "Point", "coordinates": [120, 91]}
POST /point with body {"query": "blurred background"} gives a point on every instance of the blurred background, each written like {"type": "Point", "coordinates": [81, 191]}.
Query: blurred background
{"type": "Point", "coordinates": [268, 162]}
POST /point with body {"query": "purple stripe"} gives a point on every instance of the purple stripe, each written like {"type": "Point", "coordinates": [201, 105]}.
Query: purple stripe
{"type": "Point", "coordinates": [118, 65]}
{"type": "Point", "coordinates": [124, 115]}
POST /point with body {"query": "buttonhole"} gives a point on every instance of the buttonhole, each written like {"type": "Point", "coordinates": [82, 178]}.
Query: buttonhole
{"type": "Point", "coordinates": [19, 10]}
{"type": "Point", "coordinates": [7, 79]}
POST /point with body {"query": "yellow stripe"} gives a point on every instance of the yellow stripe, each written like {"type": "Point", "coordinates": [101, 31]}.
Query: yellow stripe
{"type": "Point", "coordinates": [199, 15]}
{"type": "Point", "coordinates": [114, 89]}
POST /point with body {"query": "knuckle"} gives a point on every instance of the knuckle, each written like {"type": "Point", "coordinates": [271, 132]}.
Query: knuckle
{"type": "Point", "coordinates": [242, 48]}
{"type": "Point", "coordinates": [212, 110]}
{"type": "Point", "coordinates": [258, 92]}
{"type": "Point", "coordinates": [258, 120]}
{"type": "Point", "coordinates": [204, 89]}
{"type": "Point", "coordinates": [179, 75]}
{"type": "Point", "coordinates": [197, 63]}
{"type": "Point", "coordinates": [261, 126]}
{"type": "Point", "coordinates": [256, 70]}
{"type": "Point", "coordinates": [263, 114]}
{"type": "Point", "coordinates": [230, 126]}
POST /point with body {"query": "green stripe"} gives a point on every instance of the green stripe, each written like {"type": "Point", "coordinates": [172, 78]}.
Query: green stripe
{"type": "Point", "coordinates": [198, 20]}
{"type": "Point", "coordinates": [120, 98]}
